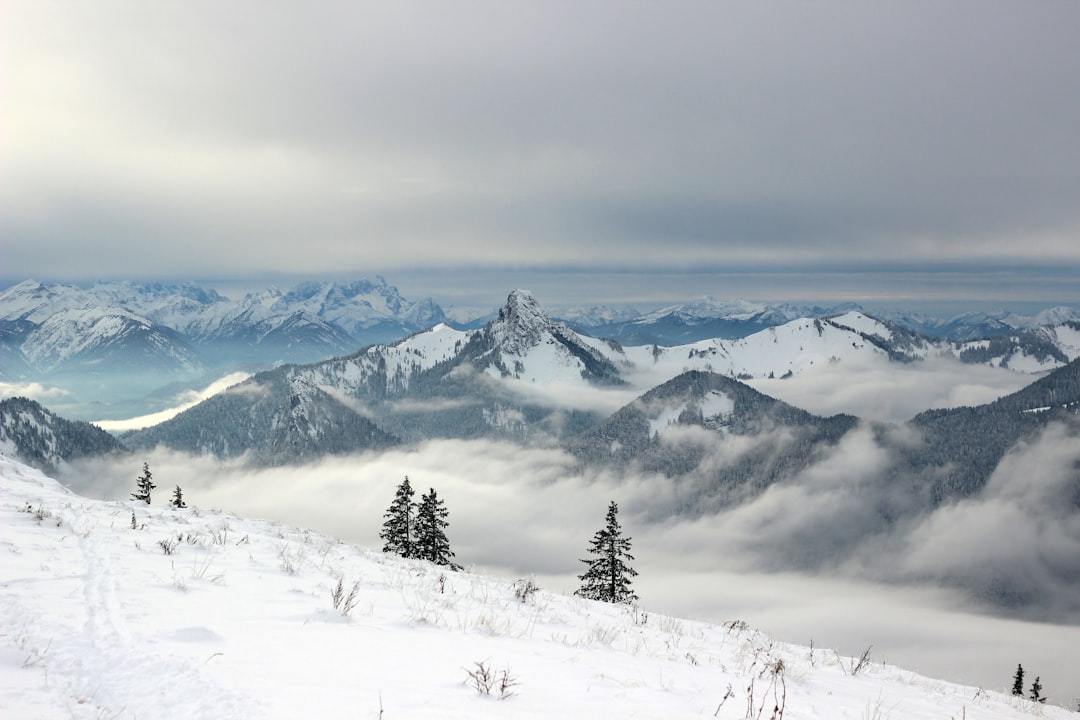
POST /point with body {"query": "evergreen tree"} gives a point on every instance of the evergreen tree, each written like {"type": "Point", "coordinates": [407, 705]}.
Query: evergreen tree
{"type": "Point", "coordinates": [178, 499]}
{"type": "Point", "coordinates": [608, 576]}
{"type": "Point", "coordinates": [1036, 691]}
{"type": "Point", "coordinates": [1018, 681]}
{"type": "Point", "coordinates": [431, 523]}
{"type": "Point", "coordinates": [144, 484]}
{"type": "Point", "coordinates": [398, 531]}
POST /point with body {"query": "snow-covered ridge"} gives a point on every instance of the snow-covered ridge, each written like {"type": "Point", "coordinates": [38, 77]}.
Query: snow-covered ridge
{"type": "Point", "coordinates": [185, 328]}
{"type": "Point", "coordinates": [197, 614]}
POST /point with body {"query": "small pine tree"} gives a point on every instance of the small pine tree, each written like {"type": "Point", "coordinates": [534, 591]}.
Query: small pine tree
{"type": "Point", "coordinates": [1036, 691]}
{"type": "Point", "coordinates": [144, 484]}
{"type": "Point", "coordinates": [178, 499]}
{"type": "Point", "coordinates": [608, 576]}
{"type": "Point", "coordinates": [1018, 681]}
{"type": "Point", "coordinates": [431, 523]}
{"type": "Point", "coordinates": [398, 532]}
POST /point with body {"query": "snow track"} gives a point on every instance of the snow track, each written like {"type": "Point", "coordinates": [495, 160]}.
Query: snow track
{"type": "Point", "coordinates": [98, 621]}
{"type": "Point", "coordinates": [82, 653]}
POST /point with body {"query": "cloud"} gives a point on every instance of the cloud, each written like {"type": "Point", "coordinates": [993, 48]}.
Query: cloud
{"type": "Point", "coordinates": [1018, 541]}
{"type": "Point", "coordinates": [407, 405]}
{"type": "Point", "coordinates": [187, 399]}
{"type": "Point", "coordinates": [878, 389]}
{"type": "Point", "coordinates": [33, 390]}
{"type": "Point", "coordinates": [809, 560]}
{"type": "Point", "coordinates": [678, 138]}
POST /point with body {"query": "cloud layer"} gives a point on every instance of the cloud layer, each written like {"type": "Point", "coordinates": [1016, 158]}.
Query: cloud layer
{"type": "Point", "coordinates": [201, 140]}
{"type": "Point", "coordinates": [840, 555]}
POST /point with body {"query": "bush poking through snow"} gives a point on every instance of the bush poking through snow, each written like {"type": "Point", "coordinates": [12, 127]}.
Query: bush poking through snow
{"type": "Point", "coordinates": [861, 663]}
{"type": "Point", "coordinates": [488, 682]}
{"type": "Point", "coordinates": [342, 602]}
{"type": "Point", "coordinates": [168, 546]}
{"type": "Point", "coordinates": [775, 692]}
{"type": "Point", "coordinates": [525, 589]}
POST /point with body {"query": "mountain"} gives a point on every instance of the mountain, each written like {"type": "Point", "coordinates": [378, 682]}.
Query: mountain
{"type": "Point", "coordinates": [196, 613]}
{"type": "Point", "coordinates": [46, 441]}
{"type": "Point", "coordinates": [50, 330]}
{"type": "Point", "coordinates": [961, 447]}
{"type": "Point", "coordinates": [437, 383]}
{"type": "Point", "coordinates": [1042, 348]}
{"type": "Point", "coordinates": [596, 317]}
{"type": "Point", "coordinates": [690, 322]}
{"type": "Point", "coordinates": [182, 327]}
{"type": "Point", "coordinates": [524, 377]}
{"type": "Point", "coordinates": [277, 417]}
{"type": "Point", "coordinates": [674, 427]}
{"type": "Point", "coordinates": [710, 318]}
{"type": "Point", "coordinates": [982, 325]}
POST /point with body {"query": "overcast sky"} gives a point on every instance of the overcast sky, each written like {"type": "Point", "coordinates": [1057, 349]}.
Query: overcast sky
{"type": "Point", "coordinates": [600, 151]}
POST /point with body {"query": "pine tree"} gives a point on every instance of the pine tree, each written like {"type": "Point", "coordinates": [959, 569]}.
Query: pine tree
{"type": "Point", "coordinates": [178, 499]}
{"type": "Point", "coordinates": [144, 485]}
{"type": "Point", "coordinates": [1018, 681]}
{"type": "Point", "coordinates": [398, 532]}
{"type": "Point", "coordinates": [608, 576]}
{"type": "Point", "coordinates": [1036, 691]}
{"type": "Point", "coordinates": [431, 523]}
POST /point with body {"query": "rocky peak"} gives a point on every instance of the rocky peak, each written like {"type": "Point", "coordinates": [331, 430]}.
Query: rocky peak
{"type": "Point", "coordinates": [521, 323]}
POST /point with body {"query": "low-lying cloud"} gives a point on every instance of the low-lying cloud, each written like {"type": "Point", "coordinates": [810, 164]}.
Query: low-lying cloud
{"type": "Point", "coordinates": [843, 554]}
{"type": "Point", "coordinates": [879, 389]}
{"type": "Point", "coordinates": [183, 401]}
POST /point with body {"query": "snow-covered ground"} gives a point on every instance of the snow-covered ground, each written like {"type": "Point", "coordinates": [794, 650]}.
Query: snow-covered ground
{"type": "Point", "coordinates": [196, 614]}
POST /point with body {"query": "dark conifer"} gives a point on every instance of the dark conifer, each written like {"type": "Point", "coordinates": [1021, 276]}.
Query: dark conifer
{"type": "Point", "coordinates": [608, 576]}
{"type": "Point", "coordinates": [431, 523]}
{"type": "Point", "coordinates": [178, 499]}
{"type": "Point", "coordinates": [1018, 681]}
{"type": "Point", "coordinates": [144, 484]}
{"type": "Point", "coordinates": [1036, 691]}
{"type": "Point", "coordinates": [398, 533]}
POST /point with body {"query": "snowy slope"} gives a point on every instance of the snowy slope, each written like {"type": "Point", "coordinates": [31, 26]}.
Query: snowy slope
{"type": "Point", "coordinates": [97, 620]}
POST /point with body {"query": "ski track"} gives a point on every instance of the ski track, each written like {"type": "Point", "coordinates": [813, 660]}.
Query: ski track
{"type": "Point", "coordinates": [104, 669]}
{"type": "Point", "coordinates": [97, 623]}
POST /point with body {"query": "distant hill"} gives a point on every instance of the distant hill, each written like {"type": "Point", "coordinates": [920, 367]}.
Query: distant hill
{"type": "Point", "coordinates": [650, 434]}
{"type": "Point", "coordinates": [41, 439]}
{"type": "Point", "coordinates": [963, 446]}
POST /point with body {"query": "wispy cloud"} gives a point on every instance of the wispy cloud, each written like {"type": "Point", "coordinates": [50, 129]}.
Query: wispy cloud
{"type": "Point", "coordinates": [33, 390]}
{"type": "Point", "coordinates": [185, 400]}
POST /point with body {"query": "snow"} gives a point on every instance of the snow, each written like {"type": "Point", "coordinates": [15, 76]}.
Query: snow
{"type": "Point", "coordinates": [862, 324]}
{"type": "Point", "coordinates": [97, 621]}
{"type": "Point", "coordinates": [716, 405]}
{"type": "Point", "coordinates": [667, 416]}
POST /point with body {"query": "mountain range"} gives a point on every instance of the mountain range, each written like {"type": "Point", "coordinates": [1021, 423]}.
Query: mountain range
{"type": "Point", "coordinates": [56, 331]}
{"type": "Point", "coordinates": [678, 418]}
{"type": "Point", "coordinates": [711, 318]}
{"type": "Point", "coordinates": [182, 328]}
{"type": "Point", "coordinates": [528, 378]}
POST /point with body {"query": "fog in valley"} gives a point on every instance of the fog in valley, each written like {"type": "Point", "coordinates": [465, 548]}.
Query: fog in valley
{"type": "Point", "coordinates": [841, 556]}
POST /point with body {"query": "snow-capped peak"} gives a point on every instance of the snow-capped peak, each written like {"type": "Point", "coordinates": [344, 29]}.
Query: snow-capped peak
{"type": "Point", "coordinates": [521, 323]}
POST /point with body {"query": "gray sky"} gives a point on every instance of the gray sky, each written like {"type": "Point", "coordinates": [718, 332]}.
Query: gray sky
{"type": "Point", "coordinates": [601, 151]}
